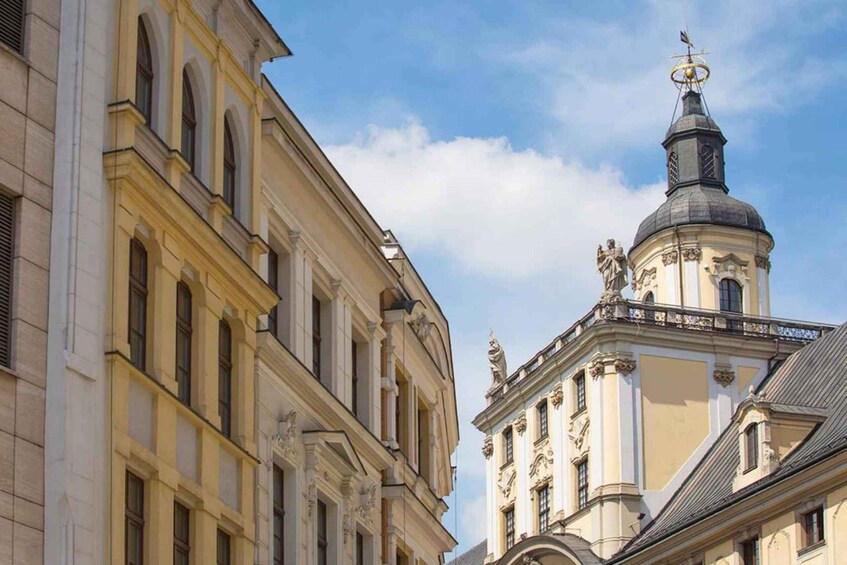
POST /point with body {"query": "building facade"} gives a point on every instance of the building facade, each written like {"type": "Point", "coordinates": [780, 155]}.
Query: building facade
{"type": "Point", "coordinates": [29, 53]}
{"type": "Point", "coordinates": [240, 365]}
{"type": "Point", "coordinates": [597, 437]}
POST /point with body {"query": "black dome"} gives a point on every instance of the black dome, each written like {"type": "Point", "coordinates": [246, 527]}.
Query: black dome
{"type": "Point", "coordinates": [700, 204]}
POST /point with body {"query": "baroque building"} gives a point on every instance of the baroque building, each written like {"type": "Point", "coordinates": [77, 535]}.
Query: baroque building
{"type": "Point", "coordinates": [645, 431]}
{"type": "Point", "coordinates": [240, 365]}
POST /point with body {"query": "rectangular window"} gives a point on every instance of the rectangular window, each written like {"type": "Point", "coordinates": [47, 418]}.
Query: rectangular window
{"type": "Point", "coordinates": [224, 549]}
{"type": "Point", "coordinates": [508, 445]}
{"type": "Point", "coordinates": [138, 304]}
{"type": "Point", "coordinates": [183, 342]}
{"type": "Point", "coordinates": [12, 24]}
{"type": "Point", "coordinates": [182, 527]}
{"type": "Point", "coordinates": [273, 282]}
{"type": "Point", "coordinates": [542, 419]}
{"type": "Point", "coordinates": [225, 377]}
{"type": "Point", "coordinates": [509, 519]}
{"type": "Point", "coordinates": [360, 549]}
{"type": "Point", "coordinates": [322, 531]}
{"type": "Point", "coordinates": [750, 552]}
{"type": "Point", "coordinates": [316, 337]}
{"type": "Point", "coordinates": [354, 401]}
{"type": "Point", "coordinates": [279, 516]}
{"type": "Point", "coordinates": [134, 521]}
{"type": "Point", "coordinates": [751, 436]}
{"type": "Point", "coordinates": [582, 484]}
{"type": "Point", "coordinates": [7, 249]}
{"type": "Point", "coordinates": [579, 382]}
{"type": "Point", "coordinates": [813, 527]}
{"type": "Point", "coordinates": [543, 508]}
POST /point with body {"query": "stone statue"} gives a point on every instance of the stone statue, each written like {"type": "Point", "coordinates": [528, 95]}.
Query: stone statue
{"type": "Point", "coordinates": [496, 360]}
{"type": "Point", "coordinates": [611, 262]}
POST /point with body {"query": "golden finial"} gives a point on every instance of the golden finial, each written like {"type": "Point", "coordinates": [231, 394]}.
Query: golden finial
{"type": "Point", "coordinates": [691, 71]}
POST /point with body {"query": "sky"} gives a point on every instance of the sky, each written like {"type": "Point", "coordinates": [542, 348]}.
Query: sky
{"type": "Point", "coordinates": [502, 141]}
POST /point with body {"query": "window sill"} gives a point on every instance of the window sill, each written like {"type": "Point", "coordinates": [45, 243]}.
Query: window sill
{"type": "Point", "coordinates": [579, 412]}
{"type": "Point", "coordinates": [811, 548]}
{"type": "Point", "coordinates": [507, 464]}
{"type": "Point", "coordinates": [750, 470]}
{"type": "Point", "coordinates": [541, 439]}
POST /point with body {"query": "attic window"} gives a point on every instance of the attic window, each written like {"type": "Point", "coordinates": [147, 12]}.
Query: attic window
{"type": "Point", "coordinates": [751, 441]}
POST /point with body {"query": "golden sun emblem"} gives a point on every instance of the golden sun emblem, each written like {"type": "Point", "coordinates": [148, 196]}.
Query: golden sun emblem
{"type": "Point", "coordinates": [691, 71]}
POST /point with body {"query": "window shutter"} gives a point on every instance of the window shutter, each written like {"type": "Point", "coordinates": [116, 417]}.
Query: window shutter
{"type": "Point", "coordinates": [12, 24]}
{"type": "Point", "coordinates": [6, 251]}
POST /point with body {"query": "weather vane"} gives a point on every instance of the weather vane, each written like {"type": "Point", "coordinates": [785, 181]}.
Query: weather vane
{"type": "Point", "coordinates": [691, 71]}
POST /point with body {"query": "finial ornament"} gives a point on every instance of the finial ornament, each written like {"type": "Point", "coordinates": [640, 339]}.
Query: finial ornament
{"type": "Point", "coordinates": [496, 360]}
{"type": "Point", "coordinates": [691, 71]}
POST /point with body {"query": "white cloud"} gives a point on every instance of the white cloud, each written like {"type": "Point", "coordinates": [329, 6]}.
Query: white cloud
{"type": "Point", "coordinates": [605, 85]}
{"type": "Point", "coordinates": [492, 210]}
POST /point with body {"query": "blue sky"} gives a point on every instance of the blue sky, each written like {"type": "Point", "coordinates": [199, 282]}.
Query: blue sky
{"type": "Point", "coordinates": [502, 140]}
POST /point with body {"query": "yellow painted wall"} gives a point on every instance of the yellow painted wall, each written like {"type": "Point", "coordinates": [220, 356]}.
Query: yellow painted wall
{"type": "Point", "coordinates": [746, 375]}
{"type": "Point", "coordinates": [675, 414]}
{"type": "Point", "coordinates": [785, 437]}
{"type": "Point", "coordinates": [720, 554]}
{"type": "Point", "coordinates": [778, 540]}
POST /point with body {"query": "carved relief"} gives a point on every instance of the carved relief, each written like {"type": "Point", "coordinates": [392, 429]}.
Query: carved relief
{"type": "Point", "coordinates": [670, 257]}
{"type": "Point", "coordinates": [311, 495]}
{"type": "Point", "coordinates": [488, 447]}
{"type": "Point", "coordinates": [347, 524]}
{"type": "Point", "coordinates": [578, 435]}
{"type": "Point", "coordinates": [646, 278]}
{"type": "Point", "coordinates": [367, 503]}
{"type": "Point", "coordinates": [596, 369]}
{"type": "Point", "coordinates": [728, 264]}
{"type": "Point", "coordinates": [286, 441]}
{"type": "Point", "coordinates": [763, 262]}
{"type": "Point", "coordinates": [557, 395]}
{"type": "Point", "coordinates": [724, 377]}
{"type": "Point", "coordinates": [520, 423]}
{"type": "Point", "coordinates": [624, 365]}
{"type": "Point", "coordinates": [692, 254]}
{"type": "Point", "coordinates": [506, 483]}
{"type": "Point", "coordinates": [542, 464]}
{"type": "Point", "coordinates": [421, 326]}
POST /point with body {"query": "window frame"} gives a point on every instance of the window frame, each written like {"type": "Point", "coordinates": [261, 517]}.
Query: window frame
{"type": "Point", "coordinates": [225, 365]}
{"type": "Point", "coordinates": [273, 282]}
{"type": "Point", "coordinates": [354, 378]}
{"type": "Point", "coordinates": [582, 482]}
{"type": "Point", "coordinates": [508, 445]}
{"type": "Point", "coordinates": [509, 527]}
{"type": "Point", "coordinates": [815, 533]}
{"type": "Point", "coordinates": [726, 286]}
{"type": "Point", "coordinates": [145, 72]}
{"type": "Point", "coordinates": [322, 534]}
{"type": "Point", "coordinates": [317, 308]}
{"type": "Point", "coordinates": [230, 172]}
{"type": "Point", "coordinates": [184, 338]}
{"type": "Point", "coordinates": [133, 517]}
{"type": "Point", "coordinates": [278, 532]}
{"type": "Point", "coordinates": [182, 536]}
{"type": "Point", "coordinates": [137, 302]}
{"type": "Point", "coordinates": [543, 413]}
{"type": "Point", "coordinates": [751, 447]}
{"type": "Point", "coordinates": [188, 136]}
{"type": "Point", "coordinates": [580, 395]}
{"type": "Point", "coordinates": [359, 550]}
{"type": "Point", "coordinates": [750, 551]}
{"type": "Point", "coordinates": [7, 253]}
{"type": "Point", "coordinates": [223, 548]}
{"type": "Point", "coordinates": [543, 507]}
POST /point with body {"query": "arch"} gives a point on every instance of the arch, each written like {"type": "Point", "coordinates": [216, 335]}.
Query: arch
{"type": "Point", "coordinates": [649, 297]}
{"type": "Point", "coordinates": [731, 295]}
{"type": "Point", "coordinates": [236, 119]}
{"type": "Point", "coordinates": [551, 549]}
{"type": "Point", "coordinates": [230, 172]}
{"type": "Point", "coordinates": [157, 30]}
{"type": "Point", "coordinates": [144, 73]}
{"type": "Point", "coordinates": [197, 71]}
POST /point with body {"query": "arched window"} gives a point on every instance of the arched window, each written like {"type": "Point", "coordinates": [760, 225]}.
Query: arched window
{"type": "Point", "coordinates": [229, 167]}
{"type": "Point", "coordinates": [648, 298]}
{"type": "Point", "coordinates": [751, 440]}
{"type": "Point", "coordinates": [731, 296]}
{"type": "Point", "coordinates": [707, 161]}
{"type": "Point", "coordinates": [225, 377]}
{"type": "Point", "coordinates": [189, 122]}
{"type": "Point", "coordinates": [138, 304]}
{"type": "Point", "coordinates": [144, 74]}
{"type": "Point", "coordinates": [673, 169]}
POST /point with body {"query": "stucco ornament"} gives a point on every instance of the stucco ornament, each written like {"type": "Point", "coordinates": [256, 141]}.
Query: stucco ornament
{"type": "Point", "coordinates": [557, 396]}
{"type": "Point", "coordinates": [488, 447]}
{"type": "Point", "coordinates": [728, 265]}
{"type": "Point", "coordinates": [286, 440]}
{"type": "Point", "coordinates": [367, 503]}
{"type": "Point", "coordinates": [529, 560]}
{"type": "Point", "coordinates": [646, 278]}
{"type": "Point", "coordinates": [311, 495]}
{"type": "Point", "coordinates": [578, 435]}
{"type": "Point", "coordinates": [496, 361]}
{"type": "Point", "coordinates": [692, 254]}
{"type": "Point", "coordinates": [421, 326]}
{"type": "Point", "coordinates": [624, 365]}
{"type": "Point", "coordinates": [670, 257]}
{"type": "Point", "coordinates": [347, 524]}
{"type": "Point", "coordinates": [724, 377]}
{"type": "Point", "coordinates": [763, 262]}
{"type": "Point", "coordinates": [611, 263]}
{"type": "Point", "coordinates": [542, 463]}
{"type": "Point", "coordinates": [506, 483]}
{"type": "Point", "coordinates": [596, 369]}
{"type": "Point", "coordinates": [520, 423]}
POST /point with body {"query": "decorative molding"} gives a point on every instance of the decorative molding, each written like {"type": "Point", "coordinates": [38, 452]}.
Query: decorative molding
{"type": "Point", "coordinates": [596, 369]}
{"type": "Point", "coordinates": [692, 254]}
{"type": "Point", "coordinates": [763, 262]}
{"type": "Point", "coordinates": [670, 257]}
{"type": "Point", "coordinates": [647, 277]}
{"type": "Point", "coordinates": [578, 435]}
{"type": "Point", "coordinates": [488, 447]}
{"type": "Point", "coordinates": [421, 326]}
{"type": "Point", "coordinates": [557, 396]}
{"type": "Point", "coordinates": [311, 495]}
{"type": "Point", "coordinates": [367, 503]}
{"type": "Point", "coordinates": [347, 524]}
{"type": "Point", "coordinates": [506, 483]}
{"type": "Point", "coordinates": [520, 423]}
{"type": "Point", "coordinates": [286, 441]}
{"type": "Point", "coordinates": [543, 461]}
{"type": "Point", "coordinates": [724, 377]}
{"type": "Point", "coordinates": [728, 264]}
{"type": "Point", "coordinates": [625, 366]}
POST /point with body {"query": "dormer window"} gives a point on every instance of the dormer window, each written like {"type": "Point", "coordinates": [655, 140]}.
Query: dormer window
{"type": "Point", "coordinates": [751, 442]}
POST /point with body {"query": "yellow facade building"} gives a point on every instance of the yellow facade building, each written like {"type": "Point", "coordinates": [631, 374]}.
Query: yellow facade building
{"type": "Point", "coordinates": [684, 426]}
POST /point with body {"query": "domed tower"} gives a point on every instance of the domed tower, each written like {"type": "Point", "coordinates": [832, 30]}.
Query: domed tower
{"type": "Point", "coordinates": [701, 248]}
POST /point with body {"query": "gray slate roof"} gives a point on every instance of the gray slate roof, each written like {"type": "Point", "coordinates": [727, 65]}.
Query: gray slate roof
{"type": "Point", "coordinates": [473, 556]}
{"type": "Point", "coordinates": [699, 204]}
{"type": "Point", "coordinates": [813, 380]}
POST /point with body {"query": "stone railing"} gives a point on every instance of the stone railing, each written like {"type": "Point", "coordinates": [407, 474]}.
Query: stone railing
{"type": "Point", "coordinates": [668, 316]}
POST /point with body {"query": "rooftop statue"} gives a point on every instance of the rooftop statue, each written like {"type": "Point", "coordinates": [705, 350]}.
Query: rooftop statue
{"type": "Point", "coordinates": [611, 262]}
{"type": "Point", "coordinates": [496, 360]}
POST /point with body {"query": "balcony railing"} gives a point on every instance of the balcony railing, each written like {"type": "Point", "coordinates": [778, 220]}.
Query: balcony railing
{"type": "Point", "coordinates": [668, 316]}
